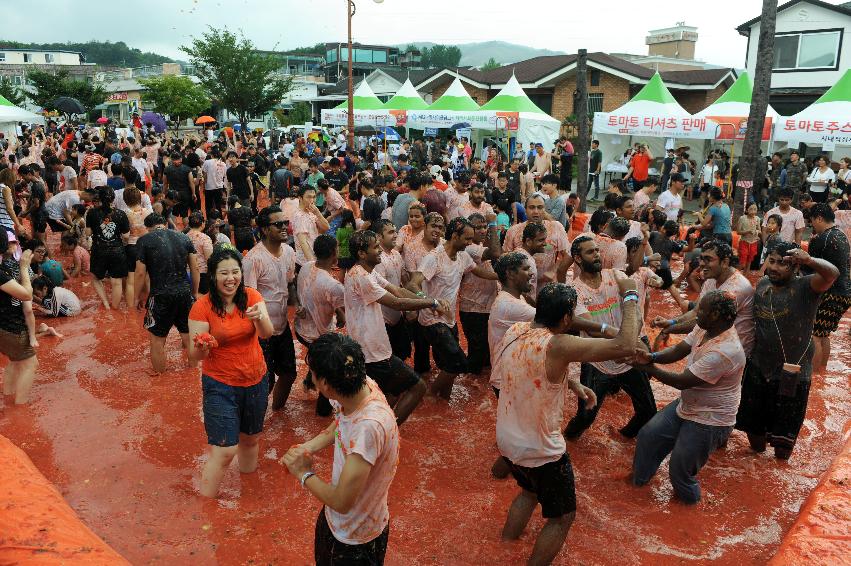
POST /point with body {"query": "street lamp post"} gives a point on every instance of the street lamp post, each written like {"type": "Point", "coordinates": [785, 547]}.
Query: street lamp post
{"type": "Point", "coordinates": [350, 142]}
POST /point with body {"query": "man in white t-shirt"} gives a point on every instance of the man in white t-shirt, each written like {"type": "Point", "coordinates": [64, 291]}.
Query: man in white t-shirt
{"type": "Point", "coordinates": [60, 205]}
{"type": "Point", "coordinates": [670, 202]}
{"type": "Point", "coordinates": [793, 219]}
{"type": "Point", "coordinates": [439, 275]}
{"type": "Point", "coordinates": [701, 420]}
{"type": "Point", "coordinates": [354, 523]}
{"type": "Point", "coordinates": [598, 293]}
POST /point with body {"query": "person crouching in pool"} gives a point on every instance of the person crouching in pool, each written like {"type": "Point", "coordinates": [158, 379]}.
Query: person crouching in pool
{"type": "Point", "coordinates": [701, 420]}
{"type": "Point", "coordinates": [233, 372]}
{"type": "Point", "coordinates": [354, 524]}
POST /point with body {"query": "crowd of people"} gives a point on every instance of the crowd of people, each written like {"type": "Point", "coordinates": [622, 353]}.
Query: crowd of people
{"type": "Point", "coordinates": [378, 264]}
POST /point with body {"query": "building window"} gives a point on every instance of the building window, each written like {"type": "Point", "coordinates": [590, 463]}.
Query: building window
{"type": "Point", "coordinates": [807, 50]}
{"type": "Point", "coordinates": [48, 57]}
{"type": "Point", "coordinates": [331, 56]}
{"type": "Point", "coordinates": [595, 103]}
{"type": "Point", "coordinates": [2, 57]}
{"type": "Point", "coordinates": [379, 56]}
{"type": "Point", "coordinates": [595, 77]}
{"type": "Point", "coordinates": [394, 58]}
{"type": "Point", "coordinates": [28, 58]}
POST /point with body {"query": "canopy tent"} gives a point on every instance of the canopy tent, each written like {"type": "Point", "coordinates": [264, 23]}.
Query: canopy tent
{"type": "Point", "coordinates": [533, 124]}
{"type": "Point", "coordinates": [406, 99]}
{"type": "Point", "coordinates": [363, 99]}
{"type": "Point", "coordinates": [456, 99]}
{"type": "Point", "coordinates": [652, 114]}
{"type": "Point", "coordinates": [727, 117]}
{"type": "Point", "coordinates": [826, 122]}
{"type": "Point", "coordinates": [10, 115]}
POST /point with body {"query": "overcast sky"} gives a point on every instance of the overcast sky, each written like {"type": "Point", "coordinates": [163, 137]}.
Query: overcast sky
{"type": "Point", "coordinates": [162, 26]}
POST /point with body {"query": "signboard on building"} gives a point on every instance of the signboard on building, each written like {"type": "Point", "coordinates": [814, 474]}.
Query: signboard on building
{"type": "Point", "coordinates": [117, 97]}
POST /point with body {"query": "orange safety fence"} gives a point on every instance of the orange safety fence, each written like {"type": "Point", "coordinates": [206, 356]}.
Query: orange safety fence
{"type": "Point", "coordinates": [821, 536]}
{"type": "Point", "coordinates": [36, 524]}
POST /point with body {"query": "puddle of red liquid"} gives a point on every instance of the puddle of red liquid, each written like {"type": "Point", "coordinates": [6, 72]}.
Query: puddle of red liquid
{"type": "Point", "coordinates": [125, 449]}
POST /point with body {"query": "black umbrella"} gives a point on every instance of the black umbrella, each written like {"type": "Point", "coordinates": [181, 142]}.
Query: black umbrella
{"type": "Point", "coordinates": [67, 105]}
{"type": "Point", "coordinates": [365, 130]}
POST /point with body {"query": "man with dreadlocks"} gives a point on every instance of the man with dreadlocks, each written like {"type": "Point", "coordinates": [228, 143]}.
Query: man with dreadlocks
{"type": "Point", "coordinates": [701, 420]}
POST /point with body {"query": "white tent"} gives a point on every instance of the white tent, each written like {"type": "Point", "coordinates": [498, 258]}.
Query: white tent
{"type": "Point", "coordinates": [11, 115]}
{"type": "Point", "coordinates": [533, 124]}
{"type": "Point", "coordinates": [826, 122]}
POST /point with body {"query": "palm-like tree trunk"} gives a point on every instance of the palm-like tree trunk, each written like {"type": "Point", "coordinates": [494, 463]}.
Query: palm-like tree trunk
{"type": "Point", "coordinates": [748, 168]}
{"type": "Point", "coordinates": [583, 141]}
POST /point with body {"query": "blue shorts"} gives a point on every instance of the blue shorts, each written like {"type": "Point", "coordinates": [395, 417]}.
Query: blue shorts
{"type": "Point", "coordinates": [230, 410]}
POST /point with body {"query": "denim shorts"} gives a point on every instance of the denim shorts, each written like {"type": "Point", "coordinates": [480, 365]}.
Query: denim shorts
{"type": "Point", "coordinates": [230, 410]}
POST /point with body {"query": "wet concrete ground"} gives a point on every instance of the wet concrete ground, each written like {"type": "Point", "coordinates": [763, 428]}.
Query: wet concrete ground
{"type": "Point", "coordinates": [125, 449]}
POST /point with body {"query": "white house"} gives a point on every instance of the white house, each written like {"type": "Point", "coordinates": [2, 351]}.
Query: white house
{"type": "Point", "coordinates": [11, 56]}
{"type": "Point", "coordinates": [811, 51]}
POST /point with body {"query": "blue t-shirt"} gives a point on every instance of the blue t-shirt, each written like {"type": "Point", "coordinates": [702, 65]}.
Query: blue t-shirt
{"type": "Point", "coordinates": [503, 220]}
{"type": "Point", "coordinates": [721, 219]}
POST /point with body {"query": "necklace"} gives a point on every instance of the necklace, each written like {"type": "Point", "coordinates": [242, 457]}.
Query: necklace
{"type": "Point", "coordinates": [779, 336]}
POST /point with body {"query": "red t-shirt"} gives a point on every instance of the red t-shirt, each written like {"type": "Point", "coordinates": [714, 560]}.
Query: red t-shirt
{"type": "Point", "coordinates": [238, 359]}
{"type": "Point", "coordinates": [640, 164]}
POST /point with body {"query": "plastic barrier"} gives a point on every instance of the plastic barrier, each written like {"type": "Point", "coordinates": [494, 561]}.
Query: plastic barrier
{"type": "Point", "coordinates": [821, 536]}
{"type": "Point", "coordinates": [36, 524]}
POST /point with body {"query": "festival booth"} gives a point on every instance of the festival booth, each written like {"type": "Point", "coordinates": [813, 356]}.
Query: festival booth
{"type": "Point", "coordinates": [533, 124]}
{"type": "Point", "coordinates": [369, 110]}
{"type": "Point", "coordinates": [407, 98]}
{"type": "Point", "coordinates": [11, 115]}
{"type": "Point", "coordinates": [826, 122]}
{"type": "Point", "coordinates": [651, 116]}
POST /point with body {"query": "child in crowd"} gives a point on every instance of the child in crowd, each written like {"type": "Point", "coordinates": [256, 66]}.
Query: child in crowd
{"type": "Point", "coordinates": [770, 237]}
{"type": "Point", "coordinates": [749, 232]}
{"type": "Point", "coordinates": [80, 256]}
{"type": "Point", "coordinates": [345, 260]}
{"type": "Point", "coordinates": [10, 263]}
{"type": "Point", "coordinates": [78, 225]}
{"type": "Point", "coordinates": [53, 301]}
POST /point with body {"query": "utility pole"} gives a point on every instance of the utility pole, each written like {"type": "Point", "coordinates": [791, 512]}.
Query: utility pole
{"type": "Point", "coordinates": [583, 142]}
{"type": "Point", "coordinates": [749, 168]}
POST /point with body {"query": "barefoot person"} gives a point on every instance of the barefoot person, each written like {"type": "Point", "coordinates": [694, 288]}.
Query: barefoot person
{"type": "Point", "coordinates": [14, 337]}
{"type": "Point", "coordinates": [270, 268]}
{"type": "Point", "coordinates": [700, 421]}
{"type": "Point", "coordinates": [533, 364]}
{"type": "Point", "coordinates": [392, 268]}
{"type": "Point", "coordinates": [233, 373]}
{"type": "Point", "coordinates": [164, 255]}
{"type": "Point", "coordinates": [365, 292]}
{"type": "Point", "coordinates": [108, 227]}
{"type": "Point", "coordinates": [354, 524]}
{"type": "Point", "coordinates": [776, 385]}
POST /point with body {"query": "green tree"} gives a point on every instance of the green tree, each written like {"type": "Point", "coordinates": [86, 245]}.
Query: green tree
{"type": "Point", "coordinates": [47, 86]}
{"type": "Point", "coordinates": [439, 56]}
{"type": "Point", "coordinates": [176, 96]}
{"type": "Point", "coordinates": [11, 92]}
{"type": "Point", "coordinates": [100, 52]}
{"type": "Point", "coordinates": [237, 77]}
{"type": "Point", "coordinates": [491, 64]}
{"type": "Point", "coordinates": [318, 49]}
{"type": "Point", "coordinates": [298, 114]}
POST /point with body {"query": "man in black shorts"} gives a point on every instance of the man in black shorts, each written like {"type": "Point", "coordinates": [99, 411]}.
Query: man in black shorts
{"type": "Point", "coordinates": [531, 365]}
{"type": "Point", "coordinates": [165, 255]}
{"type": "Point", "coordinates": [439, 275]}
{"type": "Point", "coordinates": [365, 292]}
{"type": "Point", "coordinates": [829, 243]}
{"type": "Point", "coordinates": [178, 176]}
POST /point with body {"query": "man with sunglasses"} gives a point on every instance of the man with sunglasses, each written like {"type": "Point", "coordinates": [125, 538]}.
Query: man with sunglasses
{"type": "Point", "coordinates": [269, 267]}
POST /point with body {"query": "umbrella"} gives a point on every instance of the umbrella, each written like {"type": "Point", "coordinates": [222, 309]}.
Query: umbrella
{"type": "Point", "coordinates": [67, 105]}
{"type": "Point", "coordinates": [459, 126]}
{"type": "Point", "coordinates": [156, 120]}
{"type": "Point", "coordinates": [392, 135]}
{"type": "Point", "coordinates": [102, 120]}
{"type": "Point", "coordinates": [205, 120]}
{"type": "Point", "coordinates": [365, 130]}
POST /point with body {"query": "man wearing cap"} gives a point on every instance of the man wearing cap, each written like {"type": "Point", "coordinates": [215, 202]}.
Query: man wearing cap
{"type": "Point", "coordinates": [178, 176]}
{"type": "Point", "coordinates": [796, 175]}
